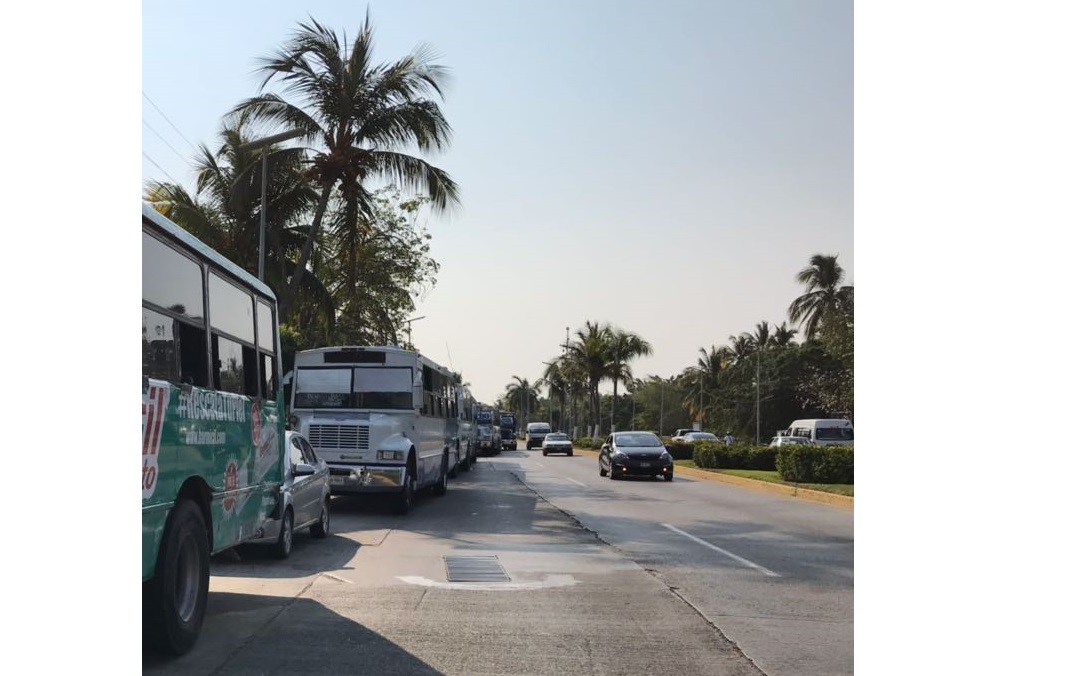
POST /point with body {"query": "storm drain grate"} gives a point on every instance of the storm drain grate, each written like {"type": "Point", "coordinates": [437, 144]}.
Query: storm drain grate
{"type": "Point", "coordinates": [474, 569]}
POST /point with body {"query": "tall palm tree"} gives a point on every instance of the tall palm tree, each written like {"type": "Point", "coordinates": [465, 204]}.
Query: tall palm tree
{"type": "Point", "coordinates": [589, 352]}
{"type": "Point", "coordinates": [523, 396]}
{"type": "Point", "coordinates": [360, 115]}
{"type": "Point", "coordinates": [743, 346]}
{"type": "Point", "coordinates": [823, 291]}
{"type": "Point", "coordinates": [761, 336]}
{"type": "Point", "coordinates": [622, 348]}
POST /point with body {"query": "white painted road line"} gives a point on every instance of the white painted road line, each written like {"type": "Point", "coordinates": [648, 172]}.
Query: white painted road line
{"type": "Point", "coordinates": [734, 557]}
{"type": "Point", "coordinates": [576, 482]}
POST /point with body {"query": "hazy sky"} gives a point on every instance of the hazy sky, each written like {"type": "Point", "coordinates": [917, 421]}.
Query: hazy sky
{"type": "Point", "coordinates": [665, 167]}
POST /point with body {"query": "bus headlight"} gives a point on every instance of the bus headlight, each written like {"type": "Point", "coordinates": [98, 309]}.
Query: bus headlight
{"type": "Point", "coordinates": [396, 456]}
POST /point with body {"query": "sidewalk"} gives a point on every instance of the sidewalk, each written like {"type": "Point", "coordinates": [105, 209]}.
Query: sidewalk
{"type": "Point", "coordinates": [752, 484]}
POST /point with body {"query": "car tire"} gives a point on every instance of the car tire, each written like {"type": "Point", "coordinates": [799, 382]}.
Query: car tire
{"type": "Point", "coordinates": [601, 470]}
{"type": "Point", "coordinates": [668, 477]}
{"type": "Point", "coordinates": [544, 452]}
{"type": "Point", "coordinates": [612, 474]}
{"type": "Point", "coordinates": [284, 547]}
{"type": "Point", "coordinates": [570, 453]}
{"type": "Point", "coordinates": [322, 528]}
{"type": "Point", "coordinates": [175, 600]}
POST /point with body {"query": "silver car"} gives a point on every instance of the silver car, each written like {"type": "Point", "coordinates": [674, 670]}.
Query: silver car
{"type": "Point", "coordinates": [306, 498]}
{"type": "Point", "coordinates": [557, 442]}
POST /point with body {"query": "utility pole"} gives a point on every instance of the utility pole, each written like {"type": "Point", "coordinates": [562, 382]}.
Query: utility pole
{"type": "Point", "coordinates": [757, 379]}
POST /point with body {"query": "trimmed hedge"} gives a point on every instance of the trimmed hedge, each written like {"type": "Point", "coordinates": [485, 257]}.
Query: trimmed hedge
{"type": "Point", "coordinates": [815, 464]}
{"type": "Point", "coordinates": [715, 455]}
{"type": "Point", "coordinates": [586, 443]}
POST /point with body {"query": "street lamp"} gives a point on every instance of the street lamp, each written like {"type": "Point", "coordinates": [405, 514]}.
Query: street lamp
{"type": "Point", "coordinates": [409, 329]}
{"type": "Point", "coordinates": [262, 144]}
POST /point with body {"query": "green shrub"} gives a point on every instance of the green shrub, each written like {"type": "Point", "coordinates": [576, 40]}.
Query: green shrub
{"type": "Point", "coordinates": [815, 464]}
{"type": "Point", "coordinates": [681, 451]}
{"type": "Point", "coordinates": [588, 444]}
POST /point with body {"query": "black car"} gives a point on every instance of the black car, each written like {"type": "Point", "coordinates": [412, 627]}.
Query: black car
{"type": "Point", "coordinates": [634, 454]}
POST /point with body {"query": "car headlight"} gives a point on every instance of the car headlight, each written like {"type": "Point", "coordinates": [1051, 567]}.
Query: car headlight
{"type": "Point", "coordinates": [397, 456]}
{"type": "Point", "coordinates": [665, 456]}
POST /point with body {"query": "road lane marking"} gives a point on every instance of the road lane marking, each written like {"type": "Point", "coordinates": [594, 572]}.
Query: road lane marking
{"type": "Point", "coordinates": [734, 557]}
{"type": "Point", "coordinates": [579, 483]}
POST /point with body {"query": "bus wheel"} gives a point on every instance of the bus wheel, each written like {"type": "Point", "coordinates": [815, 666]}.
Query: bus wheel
{"type": "Point", "coordinates": [404, 501]}
{"type": "Point", "coordinates": [454, 466]}
{"type": "Point", "coordinates": [441, 486]}
{"type": "Point", "coordinates": [175, 601]}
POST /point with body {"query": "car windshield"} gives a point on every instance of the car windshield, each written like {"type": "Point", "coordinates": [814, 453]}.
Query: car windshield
{"type": "Point", "coordinates": [703, 435]}
{"type": "Point", "coordinates": [637, 439]}
{"type": "Point", "coordinates": [556, 436]}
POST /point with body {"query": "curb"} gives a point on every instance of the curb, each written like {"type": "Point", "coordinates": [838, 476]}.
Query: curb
{"type": "Point", "coordinates": [787, 490]}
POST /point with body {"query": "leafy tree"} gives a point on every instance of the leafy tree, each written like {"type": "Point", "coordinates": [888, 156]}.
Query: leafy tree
{"type": "Point", "coordinates": [522, 396]}
{"type": "Point", "coordinates": [589, 352]}
{"type": "Point", "coordinates": [360, 114]}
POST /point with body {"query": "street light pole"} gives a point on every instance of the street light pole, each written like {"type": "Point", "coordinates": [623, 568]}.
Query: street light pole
{"type": "Point", "coordinates": [757, 380]}
{"type": "Point", "coordinates": [262, 144]}
{"type": "Point", "coordinates": [409, 329]}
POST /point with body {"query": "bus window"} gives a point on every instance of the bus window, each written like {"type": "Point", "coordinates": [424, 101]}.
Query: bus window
{"type": "Point", "coordinates": [159, 346]}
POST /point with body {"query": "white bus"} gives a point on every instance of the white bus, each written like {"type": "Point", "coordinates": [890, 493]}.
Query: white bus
{"type": "Point", "coordinates": [384, 419]}
{"type": "Point", "coordinates": [822, 431]}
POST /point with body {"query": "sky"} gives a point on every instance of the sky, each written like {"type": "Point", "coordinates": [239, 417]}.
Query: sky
{"type": "Point", "coordinates": [667, 169]}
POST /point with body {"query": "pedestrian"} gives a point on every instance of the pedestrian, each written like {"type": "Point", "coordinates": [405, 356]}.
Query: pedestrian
{"type": "Point", "coordinates": [729, 439]}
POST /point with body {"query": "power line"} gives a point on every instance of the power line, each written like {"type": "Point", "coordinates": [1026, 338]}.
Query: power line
{"type": "Point", "coordinates": [170, 122]}
{"type": "Point", "coordinates": [160, 169]}
{"type": "Point", "coordinates": [147, 125]}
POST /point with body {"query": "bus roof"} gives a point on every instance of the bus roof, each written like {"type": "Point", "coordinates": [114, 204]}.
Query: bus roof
{"type": "Point", "coordinates": [194, 243]}
{"type": "Point", "coordinates": [388, 349]}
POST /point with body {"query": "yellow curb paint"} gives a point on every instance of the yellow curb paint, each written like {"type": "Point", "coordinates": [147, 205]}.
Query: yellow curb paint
{"type": "Point", "coordinates": [752, 484]}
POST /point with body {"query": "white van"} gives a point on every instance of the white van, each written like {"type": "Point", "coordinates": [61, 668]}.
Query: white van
{"type": "Point", "coordinates": [535, 434]}
{"type": "Point", "coordinates": [822, 431]}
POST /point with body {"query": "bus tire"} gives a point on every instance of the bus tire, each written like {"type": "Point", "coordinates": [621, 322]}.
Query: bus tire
{"type": "Point", "coordinates": [175, 601]}
{"type": "Point", "coordinates": [441, 485]}
{"type": "Point", "coordinates": [404, 500]}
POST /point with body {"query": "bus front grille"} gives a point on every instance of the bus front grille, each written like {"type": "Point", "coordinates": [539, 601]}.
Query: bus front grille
{"type": "Point", "coordinates": [339, 437]}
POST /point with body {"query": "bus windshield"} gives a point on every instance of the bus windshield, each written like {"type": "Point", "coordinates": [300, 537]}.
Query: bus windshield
{"type": "Point", "coordinates": [372, 387]}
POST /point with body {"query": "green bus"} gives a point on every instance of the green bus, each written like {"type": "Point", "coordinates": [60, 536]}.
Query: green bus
{"type": "Point", "coordinates": [213, 429]}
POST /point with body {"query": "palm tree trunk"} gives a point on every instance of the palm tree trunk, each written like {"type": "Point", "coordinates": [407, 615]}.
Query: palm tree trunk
{"type": "Point", "coordinates": [285, 303]}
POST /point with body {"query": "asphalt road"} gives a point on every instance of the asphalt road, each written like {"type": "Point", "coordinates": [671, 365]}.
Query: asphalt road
{"type": "Point", "coordinates": [600, 578]}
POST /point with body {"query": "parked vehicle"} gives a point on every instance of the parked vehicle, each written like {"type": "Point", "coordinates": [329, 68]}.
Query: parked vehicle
{"type": "Point", "coordinates": [785, 440]}
{"type": "Point", "coordinates": [823, 432]}
{"type": "Point", "coordinates": [678, 434]}
{"type": "Point", "coordinates": [488, 432]}
{"type": "Point", "coordinates": [557, 442]}
{"type": "Point", "coordinates": [535, 433]}
{"type": "Point", "coordinates": [634, 454]}
{"type": "Point", "coordinates": [306, 498]}
{"type": "Point", "coordinates": [213, 437]}
{"type": "Point", "coordinates": [382, 417]}
{"type": "Point", "coordinates": [466, 439]}
{"type": "Point", "coordinates": [508, 440]}
{"type": "Point", "coordinates": [692, 437]}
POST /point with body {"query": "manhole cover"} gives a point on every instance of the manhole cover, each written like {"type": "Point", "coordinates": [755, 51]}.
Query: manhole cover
{"type": "Point", "coordinates": [474, 569]}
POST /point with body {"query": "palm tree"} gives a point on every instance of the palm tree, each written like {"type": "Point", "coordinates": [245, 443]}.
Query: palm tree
{"type": "Point", "coordinates": [823, 292]}
{"type": "Point", "coordinates": [224, 212]}
{"type": "Point", "coordinates": [783, 335]}
{"type": "Point", "coordinates": [360, 114]}
{"type": "Point", "coordinates": [520, 395]}
{"type": "Point", "coordinates": [589, 352]}
{"type": "Point", "coordinates": [622, 347]}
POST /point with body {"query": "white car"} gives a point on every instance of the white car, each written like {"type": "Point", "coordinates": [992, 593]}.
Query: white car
{"type": "Point", "coordinates": [306, 498]}
{"type": "Point", "coordinates": [557, 442]}
{"type": "Point", "coordinates": [692, 437]}
{"type": "Point", "coordinates": [782, 441]}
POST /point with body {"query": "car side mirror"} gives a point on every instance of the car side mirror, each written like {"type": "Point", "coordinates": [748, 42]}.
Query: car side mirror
{"type": "Point", "coordinates": [303, 469]}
